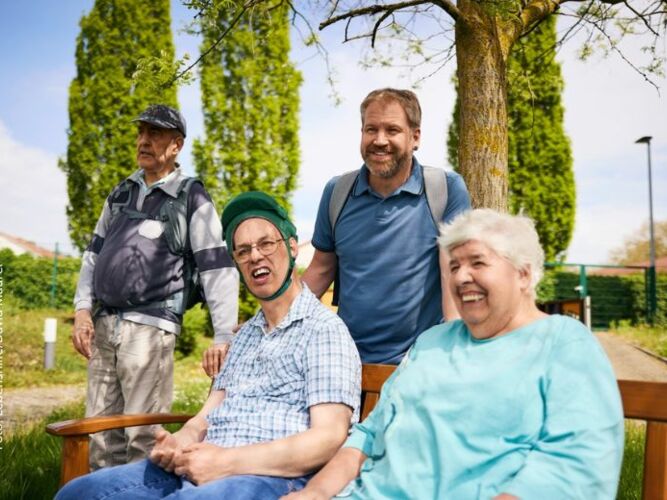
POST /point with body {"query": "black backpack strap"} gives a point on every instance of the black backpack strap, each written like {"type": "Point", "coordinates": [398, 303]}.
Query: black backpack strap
{"type": "Point", "coordinates": [120, 198]}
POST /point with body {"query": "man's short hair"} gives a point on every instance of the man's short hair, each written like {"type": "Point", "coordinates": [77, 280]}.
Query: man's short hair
{"type": "Point", "coordinates": [406, 98]}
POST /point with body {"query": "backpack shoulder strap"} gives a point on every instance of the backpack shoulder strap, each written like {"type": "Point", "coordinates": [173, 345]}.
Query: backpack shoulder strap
{"type": "Point", "coordinates": [435, 186]}
{"type": "Point", "coordinates": [174, 212]}
{"type": "Point", "coordinates": [340, 194]}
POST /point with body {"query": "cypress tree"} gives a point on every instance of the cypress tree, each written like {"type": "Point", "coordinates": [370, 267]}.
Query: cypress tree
{"type": "Point", "coordinates": [103, 99]}
{"type": "Point", "coordinates": [250, 106]}
{"type": "Point", "coordinates": [541, 178]}
{"type": "Point", "coordinates": [250, 94]}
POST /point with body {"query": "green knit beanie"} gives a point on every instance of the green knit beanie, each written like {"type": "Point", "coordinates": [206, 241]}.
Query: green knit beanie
{"type": "Point", "coordinates": [258, 204]}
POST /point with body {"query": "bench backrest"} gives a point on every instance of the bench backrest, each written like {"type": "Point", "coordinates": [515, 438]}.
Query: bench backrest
{"type": "Point", "coordinates": [372, 378]}
{"type": "Point", "coordinates": [648, 401]}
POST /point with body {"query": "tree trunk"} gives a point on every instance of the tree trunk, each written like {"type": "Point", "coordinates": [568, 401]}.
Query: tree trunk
{"type": "Point", "coordinates": [483, 41]}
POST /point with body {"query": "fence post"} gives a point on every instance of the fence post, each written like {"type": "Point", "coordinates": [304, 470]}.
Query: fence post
{"type": "Point", "coordinates": [50, 330]}
{"type": "Point", "coordinates": [583, 283]}
{"type": "Point", "coordinates": [652, 299]}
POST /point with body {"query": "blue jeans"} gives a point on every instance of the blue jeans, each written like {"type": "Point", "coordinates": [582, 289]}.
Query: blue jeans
{"type": "Point", "coordinates": [143, 480]}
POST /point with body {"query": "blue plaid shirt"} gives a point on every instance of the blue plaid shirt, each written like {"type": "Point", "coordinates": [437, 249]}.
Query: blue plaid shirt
{"type": "Point", "coordinates": [272, 379]}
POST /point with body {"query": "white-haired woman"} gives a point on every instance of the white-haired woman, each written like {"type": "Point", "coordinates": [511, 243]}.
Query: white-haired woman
{"type": "Point", "coordinates": [505, 403]}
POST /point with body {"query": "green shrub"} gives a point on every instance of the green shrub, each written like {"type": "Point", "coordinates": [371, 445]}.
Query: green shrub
{"type": "Point", "coordinates": [613, 298]}
{"type": "Point", "coordinates": [28, 279]}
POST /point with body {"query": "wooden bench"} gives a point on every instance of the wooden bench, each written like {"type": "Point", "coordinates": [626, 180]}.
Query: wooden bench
{"type": "Point", "coordinates": [76, 432]}
{"type": "Point", "coordinates": [641, 400]}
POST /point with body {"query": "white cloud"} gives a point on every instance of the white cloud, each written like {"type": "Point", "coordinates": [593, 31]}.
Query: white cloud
{"type": "Point", "coordinates": [609, 106]}
{"type": "Point", "coordinates": [33, 194]}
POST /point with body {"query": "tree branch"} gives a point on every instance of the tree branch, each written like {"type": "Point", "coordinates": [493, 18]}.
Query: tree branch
{"type": "Point", "coordinates": [535, 11]}
{"type": "Point", "coordinates": [242, 10]}
{"type": "Point", "coordinates": [377, 25]}
{"type": "Point", "coordinates": [643, 19]}
{"type": "Point", "coordinates": [446, 5]}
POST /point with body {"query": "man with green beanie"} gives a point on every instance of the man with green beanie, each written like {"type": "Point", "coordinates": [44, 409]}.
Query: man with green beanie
{"type": "Point", "coordinates": [287, 393]}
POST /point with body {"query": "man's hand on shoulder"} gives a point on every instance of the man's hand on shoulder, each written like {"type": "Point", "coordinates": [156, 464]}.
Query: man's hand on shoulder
{"type": "Point", "coordinates": [83, 332]}
{"type": "Point", "coordinates": [204, 462]}
{"type": "Point", "coordinates": [213, 359]}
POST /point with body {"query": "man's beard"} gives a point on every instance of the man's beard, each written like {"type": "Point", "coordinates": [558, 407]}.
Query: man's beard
{"type": "Point", "coordinates": [390, 170]}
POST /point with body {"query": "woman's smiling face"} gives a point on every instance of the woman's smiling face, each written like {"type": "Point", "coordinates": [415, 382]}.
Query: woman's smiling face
{"type": "Point", "coordinates": [487, 289]}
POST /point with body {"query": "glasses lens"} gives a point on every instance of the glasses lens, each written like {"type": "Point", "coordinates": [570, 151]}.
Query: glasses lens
{"type": "Point", "coordinates": [267, 247]}
{"type": "Point", "coordinates": [242, 253]}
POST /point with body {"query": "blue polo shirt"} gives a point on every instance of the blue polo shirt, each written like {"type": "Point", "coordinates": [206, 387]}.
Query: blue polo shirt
{"type": "Point", "coordinates": [388, 261]}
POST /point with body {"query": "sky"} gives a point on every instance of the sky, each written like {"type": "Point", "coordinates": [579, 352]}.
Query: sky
{"type": "Point", "coordinates": [608, 106]}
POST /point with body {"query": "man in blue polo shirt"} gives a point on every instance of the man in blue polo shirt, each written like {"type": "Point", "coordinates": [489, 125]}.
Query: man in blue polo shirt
{"type": "Point", "coordinates": [383, 244]}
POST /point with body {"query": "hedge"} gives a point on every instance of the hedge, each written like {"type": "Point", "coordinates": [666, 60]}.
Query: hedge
{"type": "Point", "coordinates": [613, 298]}
{"type": "Point", "coordinates": [27, 279]}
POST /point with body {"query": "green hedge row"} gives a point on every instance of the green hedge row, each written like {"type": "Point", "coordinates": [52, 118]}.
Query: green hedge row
{"type": "Point", "coordinates": [27, 279]}
{"type": "Point", "coordinates": [613, 298]}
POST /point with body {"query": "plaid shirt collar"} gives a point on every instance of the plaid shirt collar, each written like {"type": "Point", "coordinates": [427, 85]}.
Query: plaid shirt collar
{"type": "Point", "coordinates": [299, 309]}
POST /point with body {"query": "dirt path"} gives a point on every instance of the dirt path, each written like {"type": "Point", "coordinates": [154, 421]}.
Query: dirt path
{"type": "Point", "coordinates": [631, 363]}
{"type": "Point", "coordinates": [22, 406]}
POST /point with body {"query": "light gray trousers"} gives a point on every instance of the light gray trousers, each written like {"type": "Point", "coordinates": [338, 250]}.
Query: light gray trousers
{"type": "Point", "coordinates": [131, 370]}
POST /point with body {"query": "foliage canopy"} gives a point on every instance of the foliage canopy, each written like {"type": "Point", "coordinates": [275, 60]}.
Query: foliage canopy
{"type": "Point", "coordinates": [103, 99]}
{"type": "Point", "coordinates": [250, 93]}
{"type": "Point", "coordinates": [635, 248]}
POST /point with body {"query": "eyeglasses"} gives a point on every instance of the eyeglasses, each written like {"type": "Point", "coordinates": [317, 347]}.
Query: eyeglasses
{"type": "Point", "coordinates": [265, 247]}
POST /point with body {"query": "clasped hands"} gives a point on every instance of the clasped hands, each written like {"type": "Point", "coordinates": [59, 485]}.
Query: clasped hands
{"type": "Point", "coordinates": [198, 462]}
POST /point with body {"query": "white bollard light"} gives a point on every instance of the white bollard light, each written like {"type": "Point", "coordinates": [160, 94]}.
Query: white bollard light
{"type": "Point", "coordinates": [50, 328]}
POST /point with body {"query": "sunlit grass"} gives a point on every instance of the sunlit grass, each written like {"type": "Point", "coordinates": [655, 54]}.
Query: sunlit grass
{"type": "Point", "coordinates": [653, 339]}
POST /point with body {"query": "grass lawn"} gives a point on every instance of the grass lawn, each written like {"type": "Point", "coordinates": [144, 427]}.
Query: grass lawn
{"type": "Point", "coordinates": [653, 339]}
{"type": "Point", "coordinates": [30, 459]}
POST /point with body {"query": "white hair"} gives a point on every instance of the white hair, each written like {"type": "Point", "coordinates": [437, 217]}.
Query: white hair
{"type": "Point", "coordinates": [512, 237]}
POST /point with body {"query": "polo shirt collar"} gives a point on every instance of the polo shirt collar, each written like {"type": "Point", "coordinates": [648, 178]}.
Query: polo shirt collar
{"type": "Point", "coordinates": [169, 184]}
{"type": "Point", "coordinates": [300, 308]}
{"type": "Point", "coordinates": [413, 185]}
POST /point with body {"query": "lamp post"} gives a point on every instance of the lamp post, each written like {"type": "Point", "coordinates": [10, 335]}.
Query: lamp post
{"type": "Point", "coordinates": [651, 271]}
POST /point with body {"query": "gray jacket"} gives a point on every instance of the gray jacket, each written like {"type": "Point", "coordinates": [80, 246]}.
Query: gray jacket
{"type": "Point", "coordinates": [128, 262]}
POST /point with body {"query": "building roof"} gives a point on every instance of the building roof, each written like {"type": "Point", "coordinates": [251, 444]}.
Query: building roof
{"type": "Point", "coordinates": [20, 246]}
{"type": "Point", "coordinates": [660, 267]}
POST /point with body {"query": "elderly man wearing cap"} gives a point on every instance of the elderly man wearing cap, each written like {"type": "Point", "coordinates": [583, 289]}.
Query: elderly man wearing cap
{"type": "Point", "coordinates": [284, 400]}
{"type": "Point", "coordinates": [156, 227]}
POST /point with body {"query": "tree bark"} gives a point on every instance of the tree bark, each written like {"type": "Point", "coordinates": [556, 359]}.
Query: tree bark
{"type": "Point", "coordinates": [483, 42]}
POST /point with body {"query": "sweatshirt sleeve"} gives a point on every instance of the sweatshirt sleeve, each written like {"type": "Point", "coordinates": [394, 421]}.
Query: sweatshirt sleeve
{"type": "Point", "coordinates": [84, 298]}
{"type": "Point", "coordinates": [219, 277]}
{"type": "Point", "coordinates": [580, 449]}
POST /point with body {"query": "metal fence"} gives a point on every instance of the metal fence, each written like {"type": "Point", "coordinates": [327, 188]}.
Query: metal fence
{"type": "Point", "coordinates": [617, 293]}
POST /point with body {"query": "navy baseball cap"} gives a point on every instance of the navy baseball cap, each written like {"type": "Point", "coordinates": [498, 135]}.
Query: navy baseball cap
{"type": "Point", "coordinates": [163, 116]}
